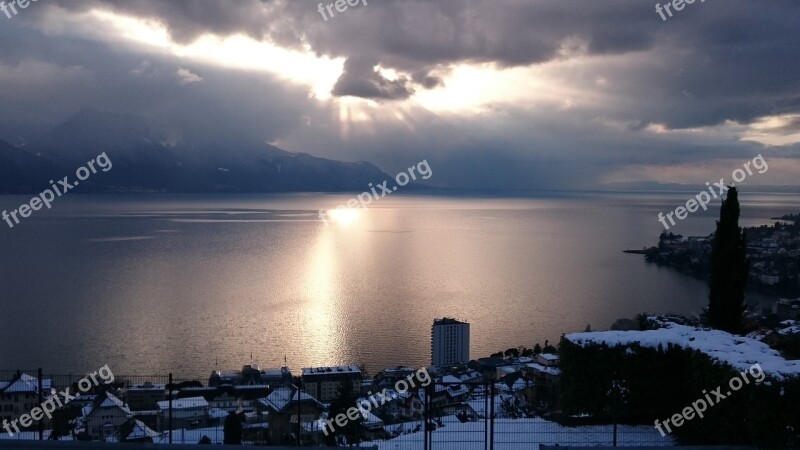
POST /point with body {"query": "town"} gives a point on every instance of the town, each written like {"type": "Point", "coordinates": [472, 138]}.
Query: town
{"type": "Point", "coordinates": [520, 391]}
{"type": "Point", "coordinates": [267, 401]}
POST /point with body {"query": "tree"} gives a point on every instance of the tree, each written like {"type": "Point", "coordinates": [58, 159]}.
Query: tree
{"type": "Point", "coordinates": [537, 349]}
{"type": "Point", "coordinates": [729, 269]}
{"type": "Point", "coordinates": [352, 430]}
{"type": "Point", "coordinates": [232, 430]}
{"type": "Point", "coordinates": [512, 353]}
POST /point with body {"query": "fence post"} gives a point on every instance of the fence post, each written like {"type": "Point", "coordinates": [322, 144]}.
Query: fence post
{"type": "Point", "coordinates": [486, 400]}
{"type": "Point", "coordinates": [299, 425]}
{"type": "Point", "coordinates": [169, 387]}
{"type": "Point", "coordinates": [491, 415]}
{"type": "Point", "coordinates": [41, 421]}
{"type": "Point", "coordinates": [428, 416]}
{"type": "Point", "coordinates": [614, 406]}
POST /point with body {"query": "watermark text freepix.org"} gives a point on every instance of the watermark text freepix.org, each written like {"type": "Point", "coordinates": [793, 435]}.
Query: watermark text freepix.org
{"type": "Point", "coordinates": [14, 3]}
{"type": "Point", "coordinates": [677, 5]}
{"type": "Point", "coordinates": [365, 406]}
{"type": "Point", "coordinates": [340, 5]}
{"type": "Point", "coordinates": [365, 198]}
{"type": "Point", "coordinates": [46, 197]}
{"type": "Point", "coordinates": [701, 405]}
{"type": "Point", "coordinates": [49, 406]}
{"type": "Point", "coordinates": [702, 199]}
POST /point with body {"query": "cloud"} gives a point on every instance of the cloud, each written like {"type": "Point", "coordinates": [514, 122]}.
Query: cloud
{"type": "Point", "coordinates": [501, 93]}
{"type": "Point", "coordinates": [361, 78]}
{"type": "Point", "coordinates": [187, 77]}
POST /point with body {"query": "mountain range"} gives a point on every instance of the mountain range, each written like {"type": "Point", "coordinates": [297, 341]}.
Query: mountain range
{"type": "Point", "coordinates": [147, 157]}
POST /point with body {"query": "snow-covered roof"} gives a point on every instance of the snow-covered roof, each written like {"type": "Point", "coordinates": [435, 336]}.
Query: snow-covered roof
{"type": "Point", "coordinates": [109, 401]}
{"type": "Point", "coordinates": [548, 370]}
{"type": "Point", "coordinates": [216, 413]}
{"type": "Point", "coordinates": [548, 356]}
{"type": "Point", "coordinates": [450, 379]}
{"type": "Point", "coordinates": [520, 384]}
{"type": "Point", "coordinates": [26, 383]}
{"type": "Point", "coordinates": [457, 390]}
{"type": "Point", "coordinates": [738, 352]}
{"type": "Point", "coordinates": [371, 420]}
{"type": "Point", "coordinates": [331, 370]}
{"type": "Point", "coordinates": [148, 386]}
{"type": "Point", "coordinates": [788, 331]}
{"type": "Point", "coordinates": [140, 431]}
{"type": "Point", "coordinates": [184, 403]}
{"type": "Point", "coordinates": [281, 397]}
{"type": "Point", "coordinates": [507, 370]}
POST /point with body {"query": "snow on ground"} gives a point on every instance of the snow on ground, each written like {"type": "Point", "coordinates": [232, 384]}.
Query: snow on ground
{"type": "Point", "coordinates": [523, 434]}
{"type": "Point", "coordinates": [738, 352]}
{"type": "Point", "coordinates": [216, 434]}
{"type": "Point", "coordinates": [28, 436]}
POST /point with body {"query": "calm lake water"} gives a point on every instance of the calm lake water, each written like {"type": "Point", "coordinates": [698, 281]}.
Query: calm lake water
{"type": "Point", "coordinates": [186, 283]}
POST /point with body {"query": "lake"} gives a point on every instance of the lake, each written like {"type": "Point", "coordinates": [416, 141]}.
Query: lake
{"type": "Point", "coordinates": [152, 284]}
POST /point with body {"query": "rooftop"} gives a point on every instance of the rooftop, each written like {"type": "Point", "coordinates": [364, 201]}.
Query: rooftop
{"type": "Point", "coordinates": [184, 403]}
{"type": "Point", "coordinates": [448, 321]}
{"type": "Point", "coordinates": [334, 369]}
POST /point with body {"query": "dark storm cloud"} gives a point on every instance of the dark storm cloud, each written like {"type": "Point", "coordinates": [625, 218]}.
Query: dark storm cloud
{"type": "Point", "coordinates": [361, 79]}
{"type": "Point", "coordinates": [735, 60]}
{"type": "Point", "coordinates": [713, 62]}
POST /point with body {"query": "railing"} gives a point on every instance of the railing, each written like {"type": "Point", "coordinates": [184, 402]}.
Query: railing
{"type": "Point", "coordinates": [471, 416]}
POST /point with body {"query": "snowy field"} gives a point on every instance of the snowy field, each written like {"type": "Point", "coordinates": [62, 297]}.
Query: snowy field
{"type": "Point", "coordinates": [523, 434]}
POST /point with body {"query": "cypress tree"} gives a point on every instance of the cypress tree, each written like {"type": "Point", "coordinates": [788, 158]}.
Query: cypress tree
{"type": "Point", "coordinates": [729, 269]}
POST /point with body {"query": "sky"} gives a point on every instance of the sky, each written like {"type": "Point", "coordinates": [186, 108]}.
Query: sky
{"type": "Point", "coordinates": [494, 94]}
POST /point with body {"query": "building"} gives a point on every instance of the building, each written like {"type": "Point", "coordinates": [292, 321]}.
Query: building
{"type": "Point", "coordinates": [142, 397]}
{"type": "Point", "coordinates": [277, 377]}
{"type": "Point", "coordinates": [770, 278]}
{"type": "Point", "coordinates": [788, 309]}
{"type": "Point", "coordinates": [283, 407]}
{"type": "Point", "coordinates": [251, 374]}
{"type": "Point", "coordinates": [189, 412]}
{"type": "Point", "coordinates": [449, 342]}
{"type": "Point", "coordinates": [546, 377]}
{"type": "Point", "coordinates": [20, 395]}
{"type": "Point", "coordinates": [105, 417]}
{"type": "Point", "coordinates": [323, 383]}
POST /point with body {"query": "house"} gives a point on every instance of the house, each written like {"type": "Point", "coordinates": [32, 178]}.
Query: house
{"type": "Point", "coordinates": [770, 278]}
{"type": "Point", "coordinates": [104, 417]}
{"type": "Point", "coordinates": [545, 375]}
{"type": "Point", "coordinates": [443, 396]}
{"type": "Point", "coordinates": [399, 407]}
{"type": "Point", "coordinates": [788, 309]}
{"type": "Point", "coordinates": [547, 359]}
{"type": "Point", "coordinates": [287, 406]}
{"type": "Point", "coordinates": [324, 383]}
{"type": "Point", "coordinates": [277, 377]}
{"type": "Point", "coordinates": [144, 397]}
{"type": "Point", "coordinates": [373, 426]}
{"type": "Point", "coordinates": [251, 374]}
{"type": "Point", "coordinates": [136, 431]}
{"type": "Point", "coordinates": [189, 412]}
{"type": "Point", "coordinates": [488, 366]}
{"type": "Point", "coordinates": [20, 395]}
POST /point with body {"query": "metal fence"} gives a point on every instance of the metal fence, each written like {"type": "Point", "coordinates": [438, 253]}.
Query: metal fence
{"type": "Point", "coordinates": [163, 410]}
